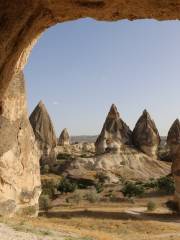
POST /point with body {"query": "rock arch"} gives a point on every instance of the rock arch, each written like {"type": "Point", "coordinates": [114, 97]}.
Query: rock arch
{"type": "Point", "coordinates": [21, 24]}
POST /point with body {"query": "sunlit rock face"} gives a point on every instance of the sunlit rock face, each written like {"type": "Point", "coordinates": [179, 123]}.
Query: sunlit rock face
{"type": "Point", "coordinates": [173, 138]}
{"type": "Point", "coordinates": [44, 133]}
{"type": "Point", "coordinates": [173, 141]}
{"type": "Point", "coordinates": [145, 135]}
{"type": "Point", "coordinates": [114, 134]}
{"type": "Point", "coordinates": [64, 138]}
{"type": "Point", "coordinates": [19, 155]}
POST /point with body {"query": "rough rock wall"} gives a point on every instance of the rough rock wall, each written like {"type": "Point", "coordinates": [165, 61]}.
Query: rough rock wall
{"type": "Point", "coordinates": [44, 133]}
{"type": "Point", "coordinates": [173, 141]}
{"type": "Point", "coordinates": [19, 156]}
{"type": "Point", "coordinates": [146, 136]}
{"type": "Point", "coordinates": [114, 133]}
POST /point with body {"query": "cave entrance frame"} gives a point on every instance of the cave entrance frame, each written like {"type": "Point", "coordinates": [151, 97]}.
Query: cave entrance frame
{"type": "Point", "coordinates": [21, 24]}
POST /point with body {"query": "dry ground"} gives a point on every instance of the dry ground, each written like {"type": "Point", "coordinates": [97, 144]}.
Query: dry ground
{"type": "Point", "coordinates": [110, 221]}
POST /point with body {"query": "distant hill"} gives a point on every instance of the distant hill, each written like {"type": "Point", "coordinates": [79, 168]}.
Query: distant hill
{"type": "Point", "coordinates": [92, 138]}
{"type": "Point", "coordinates": [84, 138]}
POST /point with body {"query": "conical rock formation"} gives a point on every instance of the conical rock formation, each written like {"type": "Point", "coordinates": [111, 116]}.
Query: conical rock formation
{"type": "Point", "coordinates": [44, 132]}
{"type": "Point", "coordinates": [64, 138]}
{"type": "Point", "coordinates": [145, 135]}
{"type": "Point", "coordinates": [173, 137]}
{"type": "Point", "coordinates": [173, 141]}
{"type": "Point", "coordinates": [42, 126]}
{"type": "Point", "coordinates": [114, 133]}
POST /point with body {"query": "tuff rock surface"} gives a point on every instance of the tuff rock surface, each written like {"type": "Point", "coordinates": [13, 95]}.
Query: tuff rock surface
{"type": "Point", "coordinates": [64, 138]}
{"type": "Point", "coordinates": [19, 155]}
{"type": "Point", "coordinates": [173, 141]}
{"type": "Point", "coordinates": [145, 135]}
{"type": "Point", "coordinates": [129, 164]}
{"type": "Point", "coordinates": [44, 133]}
{"type": "Point", "coordinates": [114, 134]}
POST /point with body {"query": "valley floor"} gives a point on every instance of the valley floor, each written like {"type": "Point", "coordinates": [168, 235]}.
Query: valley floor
{"type": "Point", "coordinates": [107, 221]}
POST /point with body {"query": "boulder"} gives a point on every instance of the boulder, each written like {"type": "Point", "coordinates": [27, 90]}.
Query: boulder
{"type": "Point", "coordinates": [114, 134]}
{"type": "Point", "coordinates": [145, 135]}
{"type": "Point", "coordinates": [64, 138]}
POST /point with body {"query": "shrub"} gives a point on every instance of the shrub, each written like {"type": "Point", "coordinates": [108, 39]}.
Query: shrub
{"type": "Point", "coordinates": [49, 188]}
{"type": "Point", "coordinates": [152, 183]}
{"type": "Point", "coordinates": [99, 187]}
{"type": "Point", "coordinates": [131, 189]}
{"type": "Point", "coordinates": [172, 206]}
{"type": "Point", "coordinates": [75, 198]}
{"type": "Point", "coordinates": [44, 202]}
{"type": "Point", "coordinates": [65, 156]}
{"type": "Point", "coordinates": [45, 169]}
{"type": "Point", "coordinates": [166, 184]}
{"type": "Point", "coordinates": [101, 177]}
{"type": "Point", "coordinates": [66, 185]}
{"type": "Point", "coordinates": [92, 196]}
{"type": "Point", "coordinates": [151, 206]}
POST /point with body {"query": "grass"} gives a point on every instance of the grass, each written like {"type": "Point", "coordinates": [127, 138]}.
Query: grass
{"type": "Point", "coordinates": [109, 221]}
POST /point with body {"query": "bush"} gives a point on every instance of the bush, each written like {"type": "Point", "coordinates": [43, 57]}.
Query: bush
{"type": "Point", "coordinates": [45, 169]}
{"type": "Point", "coordinates": [92, 196]}
{"type": "Point", "coordinates": [172, 206]}
{"type": "Point", "coordinates": [152, 183]}
{"type": "Point", "coordinates": [99, 187]}
{"type": "Point", "coordinates": [66, 185]}
{"type": "Point", "coordinates": [49, 188]}
{"type": "Point", "coordinates": [44, 202]}
{"type": "Point", "coordinates": [65, 156]}
{"type": "Point", "coordinates": [166, 184]}
{"type": "Point", "coordinates": [75, 198]}
{"type": "Point", "coordinates": [151, 206]}
{"type": "Point", "coordinates": [131, 189]}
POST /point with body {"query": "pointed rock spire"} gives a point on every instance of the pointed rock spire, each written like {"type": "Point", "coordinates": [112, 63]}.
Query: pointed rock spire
{"type": "Point", "coordinates": [64, 138]}
{"type": "Point", "coordinates": [114, 132]}
{"type": "Point", "coordinates": [174, 133]}
{"type": "Point", "coordinates": [145, 135]}
{"type": "Point", "coordinates": [43, 127]}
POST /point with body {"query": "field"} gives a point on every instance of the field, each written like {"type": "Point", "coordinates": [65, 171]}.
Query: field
{"type": "Point", "coordinates": [110, 221]}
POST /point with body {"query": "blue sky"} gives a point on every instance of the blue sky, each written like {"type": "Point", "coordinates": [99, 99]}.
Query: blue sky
{"type": "Point", "coordinates": [80, 68]}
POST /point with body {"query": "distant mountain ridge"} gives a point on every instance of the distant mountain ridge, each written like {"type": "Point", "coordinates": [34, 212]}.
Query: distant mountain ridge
{"type": "Point", "coordinates": [84, 138]}
{"type": "Point", "coordinates": [92, 138]}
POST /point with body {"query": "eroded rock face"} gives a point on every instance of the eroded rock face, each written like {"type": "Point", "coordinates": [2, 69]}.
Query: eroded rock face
{"type": "Point", "coordinates": [145, 135]}
{"type": "Point", "coordinates": [44, 133]}
{"type": "Point", "coordinates": [173, 141]}
{"type": "Point", "coordinates": [114, 134]}
{"type": "Point", "coordinates": [19, 155]}
{"type": "Point", "coordinates": [64, 138]}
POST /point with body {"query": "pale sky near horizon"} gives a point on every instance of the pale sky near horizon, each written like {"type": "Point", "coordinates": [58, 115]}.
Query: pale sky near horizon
{"type": "Point", "coordinates": [78, 69]}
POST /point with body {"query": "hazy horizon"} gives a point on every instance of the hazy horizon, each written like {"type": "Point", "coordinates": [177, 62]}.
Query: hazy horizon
{"type": "Point", "coordinates": [78, 69]}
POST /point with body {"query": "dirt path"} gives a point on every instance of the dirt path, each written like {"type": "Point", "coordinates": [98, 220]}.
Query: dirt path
{"type": "Point", "coordinates": [13, 233]}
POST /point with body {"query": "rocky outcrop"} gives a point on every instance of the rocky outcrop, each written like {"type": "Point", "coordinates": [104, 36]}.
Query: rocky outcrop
{"type": "Point", "coordinates": [64, 138]}
{"type": "Point", "coordinates": [173, 141]}
{"type": "Point", "coordinates": [173, 137]}
{"type": "Point", "coordinates": [128, 164]}
{"type": "Point", "coordinates": [19, 155]}
{"type": "Point", "coordinates": [145, 135]}
{"type": "Point", "coordinates": [114, 134]}
{"type": "Point", "coordinates": [44, 133]}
